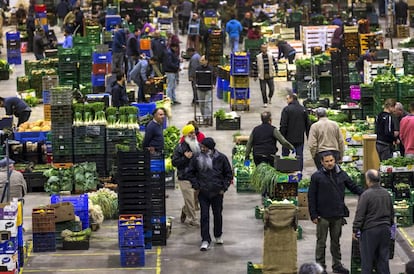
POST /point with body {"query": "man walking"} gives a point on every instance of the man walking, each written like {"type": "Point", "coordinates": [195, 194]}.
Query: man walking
{"type": "Point", "coordinates": [373, 218]}
{"type": "Point", "coordinates": [183, 153]}
{"type": "Point", "coordinates": [204, 84]}
{"type": "Point", "coordinates": [327, 208]}
{"type": "Point", "coordinates": [266, 71]}
{"type": "Point", "coordinates": [263, 140]}
{"type": "Point", "coordinates": [407, 132]}
{"type": "Point", "coordinates": [234, 29]}
{"type": "Point", "coordinates": [210, 174]}
{"type": "Point", "coordinates": [325, 135]}
{"type": "Point", "coordinates": [118, 48]}
{"type": "Point", "coordinates": [294, 123]}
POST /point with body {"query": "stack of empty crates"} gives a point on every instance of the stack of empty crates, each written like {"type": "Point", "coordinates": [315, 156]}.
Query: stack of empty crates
{"type": "Point", "coordinates": [43, 228]}
{"type": "Point", "coordinates": [367, 41]}
{"type": "Point", "coordinates": [48, 82]}
{"type": "Point", "coordinates": [111, 21]}
{"type": "Point", "coordinates": [100, 66]}
{"type": "Point", "coordinates": [141, 190]}
{"type": "Point", "coordinates": [131, 240]}
{"type": "Point", "coordinates": [85, 59]}
{"type": "Point", "coordinates": [89, 146]}
{"type": "Point", "coordinates": [11, 243]}
{"type": "Point", "coordinates": [239, 81]}
{"type": "Point", "coordinates": [61, 117]}
{"type": "Point", "coordinates": [340, 74]}
{"type": "Point", "coordinates": [93, 33]}
{"type": "Point", "coordinates": [14, 55]}
{"type": "Point", "coordinates": [68, 67]}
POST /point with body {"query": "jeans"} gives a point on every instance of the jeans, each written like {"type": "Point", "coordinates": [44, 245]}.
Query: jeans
{"type": "Point", "coordinates": [234, 43]}
{"type": "Point", "coordinates": [204, 100]}
{"type": "Point", "coordinates": [23, 117]}
{"type": "Point", "coordinates": [299, 154]}
{"type": "Point", "coordinates": [291, 58]}
{"type": "Point", "coordinates": [131, 63]}
{"type": "Point", "coordinates": [216, 204]}
{"type": "Point", "coordinates": [194, 87]}
{"type": "Point", "coordinates": [334, 227]}
{"type": "Point", "coordinates": [271, 84]}
{"type": "Point", "coordinates": [374, 245]}
{"type": "Point", "coordinates": [171, 85]}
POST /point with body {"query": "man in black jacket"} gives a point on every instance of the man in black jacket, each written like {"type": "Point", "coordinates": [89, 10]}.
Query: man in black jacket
{"type": "Point", "coordinates": [210, 173]}
{"type": "Point", "coordinates": [183, 153]}
{"type": "Point", "coordinates": [327, 208]}
{"type": "Point", "coordinates": [386, 130]}
{"type": "Point", "coordinates": [118, 92]}
{"type": "Point", "coordinates": [373, 218]}
{"type": "Point", "coordinates": [263, 140]}
{"type": "Point", "coordinates": [294, 123]}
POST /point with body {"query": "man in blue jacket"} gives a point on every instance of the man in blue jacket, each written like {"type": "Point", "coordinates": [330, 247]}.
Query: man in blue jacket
{"type": "Point", "coordinates": [327, 208]}
{"type": "Point", "coordinates": [17, 107]}
{"type": "Point", "coordinates": [171, 66]}
{"type": "Point", "coordinates": [234, 29]}
{"type": "Point", "coordinates": [118, 48]}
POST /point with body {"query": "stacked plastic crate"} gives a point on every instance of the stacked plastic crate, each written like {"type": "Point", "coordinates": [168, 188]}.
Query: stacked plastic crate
{"type": "Point", "coordinates": [115, 136]}
{"type": "Point", "coordinates": [43, 228]}
{"type": "Point", "coordinates": [340, 74]}
{"type": "Point", "coordinates": [239, 81]}
{"type": "Point", "coordinates": [131, 240]}
{"type": "Point", "coordinates": [61, 117]}
{"type": "Point", "coordinates": [351, 43]}
{"type": "Point", "coordinates": [101, 64]}
{"type": "Point", "coordinates": [48, 82]}
{"type": "Point", "coordinates": [68, 66]}
{"type": "Point", "coordinates": [80, 206]}
{"type": "Point", "coordinates": [215, 52]}
{"type": "Point", "coordinates": [158, 220]}
{"type": "Point", "coordinates": [12, 236]}
{"type": "Point", "coordinates": [89, 146]}
{"type": "Point", "coordinates": [93, 33]}
{"type": "Point", "coordinates": [85, 59]}
{"type": "Point", "coordinates": [41, 15]}
{"type": "Point", "coordinates": [367, 100]}
{"type": "Point", "coordinates": [14, 55]}
{"type": "Point", "coordinates": [111, 21]}
{"type": "Point", "coordinates": [253, 48]}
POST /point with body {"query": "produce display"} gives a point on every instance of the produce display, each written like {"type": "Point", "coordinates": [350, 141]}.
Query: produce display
{"type": "Point", "coordinates": [89, 114]}
{"type": "Point", "coordinates": [243, 170]}
{"type": "Point", "coordinates": [107, 200]}
{"type": "Point", "coordinates": [59, 179]}
{"type": "Point", "coordinates": [39, 125]}
{"type": "Point", "coordinates": [171, 139]}
{"type": "Point", "coordinates": [398, 162]}
{"type": "Point", "coordinates": [71, 236]}
{"type": "Point", "coordinates": [264, 179]}
{"type": "Point", "coordinates": [221, 114]}
{"type": "Point", "coordinates": [85, 176]}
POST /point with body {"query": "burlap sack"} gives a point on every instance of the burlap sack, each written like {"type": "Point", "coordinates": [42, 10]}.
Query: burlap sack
{"type": "Point", "coordinates": [279, 242]}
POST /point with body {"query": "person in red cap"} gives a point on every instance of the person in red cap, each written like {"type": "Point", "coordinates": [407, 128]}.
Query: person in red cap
{"type": "Point", "coordinates": [210, 174]}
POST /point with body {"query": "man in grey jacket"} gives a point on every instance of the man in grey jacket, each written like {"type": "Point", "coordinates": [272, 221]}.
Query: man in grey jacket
{"type": "Point", "coordinates": [192, 66]}
{"type": "Point", "coordinates": [373, 218]}
{"type": "Point", "coordinates": [266, 71]}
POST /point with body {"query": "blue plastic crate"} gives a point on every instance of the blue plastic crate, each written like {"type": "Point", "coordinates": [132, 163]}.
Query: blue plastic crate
{"type": "Point", "coordinates": [9, 247]}
{"type": "Point", "coordinates": [145, 108]}
{"type": "Point", "coordinates": [157, 165]}
{"type": "Point", "coordinates": [157, 97]}
{"type": "Point", "coordinates": [131, 233]}
{"type": "Point", "coordinates": [131, 257]}
{"type": "Point", "coordinates": [84, 218]}
{"type": "Point", "coordinates": [111, 21]}
{"type": "Point", "coordinates": [15, 60]}
{"type": "Point", "coordinates": [295, 178]}
{"type": "Point", "coordinates": [80, 202]}
{"type": "Point", "coordinates": [46, 97]}
{"type": "Point", "coordinates": [98, 80]}
{"type": "Point", "coordinates": [44, 242]}
{"type": "Point", "coordinates": [41, 15]}
{"type": "Point", "coordinates": [102, 58]}
{"type": "Point", "coordinates": [164, 126]}
{"type": "Point", "coordinates": [12, 35]}
{"type": "Point", "coordinates": [6, 122]}
{"type": "Point", "coordinates": [35, 136]}
{"type": "Point", "coordinates": [20, 241]}
{"type": "Point", "coordinates": [12, 53]}
{"type": "Point", "coordinates": [240, 93]}
{"type": "Point", "coordinates": [210, 13]}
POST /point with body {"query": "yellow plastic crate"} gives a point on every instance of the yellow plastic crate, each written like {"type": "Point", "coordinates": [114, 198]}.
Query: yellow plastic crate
{"type": "Point", "coordinates": [239, 81]}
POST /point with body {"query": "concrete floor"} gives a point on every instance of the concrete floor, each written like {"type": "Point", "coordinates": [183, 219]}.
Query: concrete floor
{"type": "Point", "coordinates": [243, 234]}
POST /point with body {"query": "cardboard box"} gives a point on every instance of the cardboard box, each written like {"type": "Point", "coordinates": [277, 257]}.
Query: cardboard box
{"type": "Point", "coordinates": [286, 165]}
{"type": "Point", "coordinates": [303, 199]}
{"type": "Point", "coordinates": [63, 211]}
{"type": "Point", "coordinates": [10, 261]}
{"type": "Point", "coordinates": [9, 225]}
{"type": "Point", "coordinates": [303, 213]}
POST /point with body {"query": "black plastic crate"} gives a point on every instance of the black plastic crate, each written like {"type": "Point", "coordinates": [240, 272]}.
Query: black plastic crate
{"type": "Point", "coordinates": [4, 75]}
{"type": "Point", "coordinates": [62, 158]}
{"type": "Point", "coordinates": [78, 245]}
{"type": "Point", "coordinates": [44, 242]}
{"type": "Point", "coordinates": [61, 110]}
{"type": "Point", "coordinates": [35, 181]}
{"type": "Point", "coordinates": [89, 131]}
{"type": "Point", "coordinates": [403, 177]}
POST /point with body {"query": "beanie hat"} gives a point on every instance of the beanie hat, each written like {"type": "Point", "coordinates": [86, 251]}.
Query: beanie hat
{"type": "Point", "coordinates": [187, 129]}
{"type": "Point", "coordinates": [209, 143]}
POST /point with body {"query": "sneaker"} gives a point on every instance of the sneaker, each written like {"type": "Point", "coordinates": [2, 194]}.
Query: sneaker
{"type": "Point", "coordinates": [219, 240]}
{"type": "Point", "coordinates": [265, 105]}
{"type": "Point", "coordinates": [182, 217]}
{"type": "Point", "coordinates": [269, 100]}
{"type": "Point", "coordinates": [177, 103]}
{"type": "Point", "coordinates": [204, 246]}
{"type": "Point", "coordinates": [340, 269]}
